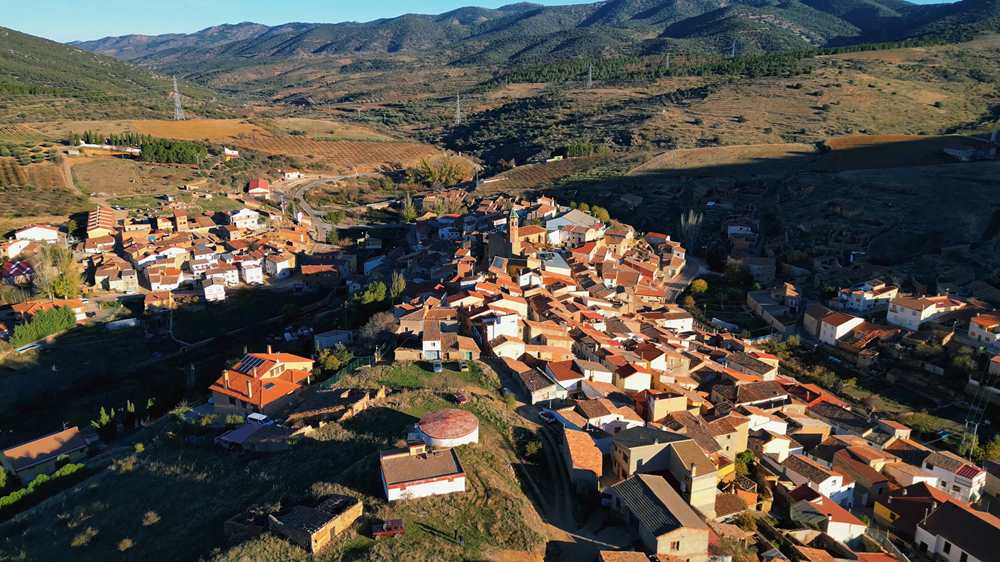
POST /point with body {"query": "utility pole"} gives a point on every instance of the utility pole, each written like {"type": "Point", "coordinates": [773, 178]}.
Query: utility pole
{"type": "Point", "coordinates": [668, 61]}
{"type": "Point", "coordinates": [732, 54]}
{"type": "Point", "coordinates": [178, 110]}
{"type": "Point", "coordinates": [458, 110]}
{"type": "Point", "coordinates": [590, 76]}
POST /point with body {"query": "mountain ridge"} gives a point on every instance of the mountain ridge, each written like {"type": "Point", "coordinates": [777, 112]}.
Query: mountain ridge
{"type": "Point", "coordinates": [519, 32]}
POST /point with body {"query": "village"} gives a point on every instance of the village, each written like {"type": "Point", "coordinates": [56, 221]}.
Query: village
{"type": "Point", "coordinates": [679, 436]}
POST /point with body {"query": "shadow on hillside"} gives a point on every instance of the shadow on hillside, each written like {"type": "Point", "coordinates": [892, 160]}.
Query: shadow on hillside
{"type": "Point", "coordinates": [69, 378]}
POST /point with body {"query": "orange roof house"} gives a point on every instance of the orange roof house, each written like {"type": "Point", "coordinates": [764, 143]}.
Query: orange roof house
{"type": "Point", "coordinates": [260, 382]}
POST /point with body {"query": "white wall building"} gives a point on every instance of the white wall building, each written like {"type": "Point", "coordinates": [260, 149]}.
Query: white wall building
{"type": "Point", "coordinates": [415, 472]}
{"type": "Point", "coordinates": [958, 477]}
{"type": "Point", "coordinates": [38, 233]}
{"type": "Point", "coordinates": [912, 312]}
{"type": "Point", "coordinates": [835, 326]}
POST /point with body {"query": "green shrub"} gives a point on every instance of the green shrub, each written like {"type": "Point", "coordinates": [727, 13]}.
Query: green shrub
{"type": "Point", "coordinates": [43, 324]}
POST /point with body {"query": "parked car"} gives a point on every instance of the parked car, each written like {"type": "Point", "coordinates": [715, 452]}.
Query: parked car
{"type": "Point", "coordinates": [389, 528]}
{"type": "Point", "coordinates": [547, 416]}
{"type": "Point", "coordinates": [437, 366]}
{"type": "Point", "coordinates": [259, 419]}
{"type": "Point", "coordinates": [460, 398]}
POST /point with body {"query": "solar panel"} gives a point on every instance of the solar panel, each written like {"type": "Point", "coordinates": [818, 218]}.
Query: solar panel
{"type": "Point", "coordinates": [249, 363]}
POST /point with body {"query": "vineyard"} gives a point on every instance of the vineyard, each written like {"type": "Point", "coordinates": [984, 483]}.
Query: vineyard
{"type": "Point", "coordinates": [348, 155]}
{"type": "Point", "coordinates": [212, 130]}
{"type": "Point", "coordinates": [37, 189]}
{"type": "Point", "coordinates": [19, 134]}
{"type": "Point", "coordinates": [45, 176]}
{"type": "Point", "coordinates": [533, 176]}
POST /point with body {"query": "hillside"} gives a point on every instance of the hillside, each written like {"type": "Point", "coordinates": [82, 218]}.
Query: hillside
{"type": "Point", "coordinates": [527, 32]}
{"type": "Point", "coordinates": [42, 79]}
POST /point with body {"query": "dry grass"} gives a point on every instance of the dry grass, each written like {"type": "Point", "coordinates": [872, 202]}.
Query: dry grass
{"type": "Point", "coordinates": [534, 176]}
{"type": "Point", "coordinates": [345, 155]}
{"type": "Point", "coordinates": [119, 176]}
{"type": "Point", "coordinates": [209, 130]}
{"type": "Point", "coordinates": [43, 175]}
{"type": "Point", "coordinates": [325, 128]}
{"type": "Point", "coordinates": [738, 159]}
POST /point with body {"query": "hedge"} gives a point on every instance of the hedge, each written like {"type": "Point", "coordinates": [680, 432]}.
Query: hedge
{"type": "Point", "coordinates": [24, 498]}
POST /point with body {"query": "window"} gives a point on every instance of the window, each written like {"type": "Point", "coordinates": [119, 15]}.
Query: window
{"type": "Point", "coordinates": [956, 489]}
{"type": "Point", "coordinates": [947, 547]}
{"type": "Point", "coordinates": [923, 547]}
{"type": "Point", "coordinates": [675, 546]}
{"type": "Point", "coordinates": [964, 557]}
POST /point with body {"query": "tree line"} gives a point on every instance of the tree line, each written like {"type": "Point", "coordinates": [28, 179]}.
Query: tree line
{"type": "Point", "coordinates": [164, 151]}
{"type": "Point", "coordinates": [646, 68]}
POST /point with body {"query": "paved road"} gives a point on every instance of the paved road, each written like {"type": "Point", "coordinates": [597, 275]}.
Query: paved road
{"type": "Point", "coordinates": [296, 190]}
{"type": "Point", "coordinates": [694, 268]}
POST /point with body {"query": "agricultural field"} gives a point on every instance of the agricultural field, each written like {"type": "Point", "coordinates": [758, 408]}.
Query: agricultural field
{"type": "Point", "coordinates": [535, 176]}
{"type": "Point", "coordinates": [208, 130]}
{"type": "Point", "coordinates": [345, 156]}
{"type": "Point", "coordinates": [760, 159]}
{"type": "Point", "coordinates": [121, 176]}
{"type": "Point", "coordinates": [20, 134]}
{"type": "Point", "coordinates": [36, 190]}
{"type": "Point", "coordinates": [322, 129]}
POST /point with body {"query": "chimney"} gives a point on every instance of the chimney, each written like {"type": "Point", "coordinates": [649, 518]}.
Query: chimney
{"type": "Point", "coordinates": [250, 389]}
{"type": "Point", "coordinates": [268, 349]}
{"type": "Point", "coordinates": [225, 376]}
{"type": "Point", "coordinates": [694, 471]}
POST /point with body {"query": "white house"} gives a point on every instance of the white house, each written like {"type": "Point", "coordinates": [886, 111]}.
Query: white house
{"type": "Point", "coordinates": [801, 469]}
{"type": "Point", "coordinates": [985, 329]}
{"type": "Point", "coordinates": [956, 476]}
{"type": "Point", "coordinates": [279, 266]}
{"type": "Point", "coordinates": [291, 175]}
{"type": "Point", "coordinates": [38, 233]}
{"type": "Point", "coordinates": [252, 273]}
{"type": "Point", "coordinates": [912, 312]}
{"type": "Point", "coordinates": [214, 289]}
{"type": "Point", "coordinates": [836, 325]}
{"type": "Point", "coordinates": [501, 324]}
{"type": "Point", "coordinates": [228, 273]}
{"type": "Point", "coordinates": [824, 514]}
{"type": "Point", "coordinates": [13, 248]}
{"type": "Point", "coordinates": [245, 219]}
{"type": "Point", "coordinates": [868, 296]}
{"type": "Point", "coordinates": [415, 472]}
{"type": "Point", "coordinates": [958, 534]}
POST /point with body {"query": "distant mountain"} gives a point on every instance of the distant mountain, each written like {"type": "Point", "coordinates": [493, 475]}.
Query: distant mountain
{"type": "Point", "coordinates": [524, 32]}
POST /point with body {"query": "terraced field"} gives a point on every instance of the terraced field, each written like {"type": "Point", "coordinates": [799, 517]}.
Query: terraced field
{"type": "Point", "coordinates": [533, 176]}
{"type": "Point", "coordinates": [44, 176]}
{"type": "Point", "coordinates": [346, 155]}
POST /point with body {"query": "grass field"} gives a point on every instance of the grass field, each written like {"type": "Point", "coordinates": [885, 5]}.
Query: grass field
{"type": "Point", "coordinates": [209, 130]}
{"type": "Point", "coordinates": [36, 190]}
{"type": "Point", "coordinates": [121, 176]}
{"type": "Point", "coordinates": [321, 128]}
{"type": "Point", "coordinates": [731, 160]}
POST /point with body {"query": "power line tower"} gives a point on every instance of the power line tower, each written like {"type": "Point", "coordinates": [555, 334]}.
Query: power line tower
{"type": "Point", "coordinates": [590, 76]}
{"type": "Point", "coordinates": [458, 110]}
{"type": "Point", "coordinates": [178, 110]}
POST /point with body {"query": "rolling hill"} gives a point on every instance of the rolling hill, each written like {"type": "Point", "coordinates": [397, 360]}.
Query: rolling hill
{"type": "Point", "coordinates": [41, 78]}
{"type": "Point", "coordinates": [527, 32]}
